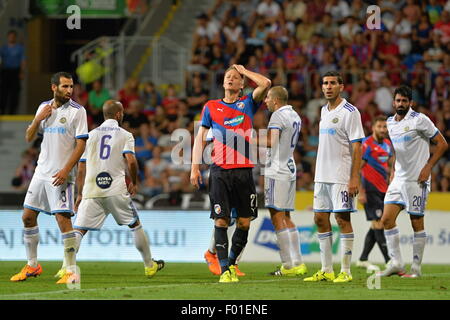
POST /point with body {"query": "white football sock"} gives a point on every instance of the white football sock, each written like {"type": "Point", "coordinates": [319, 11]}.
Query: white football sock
{"type": "Point", "coordinates": [326, 255]}
{"type": "Point", "coordinates": [31, 240]}
{"type": "Point", "coordinates": [142, 244]}
{"type": "Point", "coordinates": [346, 251]}
{"type": "Point", "coordinates": [420, 239]}
{"type": "Point", "coordinates": [212, 243]}
{"type": "Point", "coordinates": [284, 245]}
{"type": "Point", "coordinates": [296, 254]}
{"type": "Point", "coordinates": [70, 244]}
{"type": "Point", "coordinates": [393, 244]}
{"type": "Point", "coordinates": [79, 237]}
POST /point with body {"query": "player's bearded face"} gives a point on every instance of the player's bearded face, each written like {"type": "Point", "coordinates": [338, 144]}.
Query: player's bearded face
{"type": "Point", "coordinates": [63, 92]}
{"type": "Point", "coordinates": [401, 104]}
{"type": "Point", "coordinates": [380, 130]}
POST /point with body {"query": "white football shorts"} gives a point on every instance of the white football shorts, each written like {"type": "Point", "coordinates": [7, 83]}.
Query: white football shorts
{"type": "Point", "coordinates": [409, 194]}
{"type": "Point", "coordinates": [44, 197]}
{"type": "Point", "coordinates": [279, 194]}
{"type": "Point", "coordinates": [332, 197]}
{"type": "Point", "coordinates": [92, 212]}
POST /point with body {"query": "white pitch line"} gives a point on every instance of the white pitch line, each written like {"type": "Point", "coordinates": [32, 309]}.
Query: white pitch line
{"type": "Point", "coordinates": [132, 288]}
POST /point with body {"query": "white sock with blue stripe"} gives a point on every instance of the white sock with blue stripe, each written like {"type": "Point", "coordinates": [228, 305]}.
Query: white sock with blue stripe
{"type": "Point", "coordinates": [78, 238]}
{"type": "Point", "coordinates": [296, 254]}
{"type": "Point", "coordinates": [284, 245]}
{"type": "Point", "coordinates": [420, 239]}
{"type": "Point", "coordinates": [70, 244]}
{"type": "Point", "coordinates": [142, 244]}
{"type": "Point", "coordinates": [31, 240]}
{"type": "Point", "coordinates": [326, 255]}
{"type": "Point", "coordinates": [346, 251]}
{"type": "Point", "coordinates": [393, 244]}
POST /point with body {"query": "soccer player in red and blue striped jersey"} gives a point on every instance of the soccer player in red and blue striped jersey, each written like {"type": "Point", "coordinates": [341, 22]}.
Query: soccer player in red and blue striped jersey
{"type": "Point", "coordinates": [231, 181]}
{"type": "Point", "coordinates": [377, 160]}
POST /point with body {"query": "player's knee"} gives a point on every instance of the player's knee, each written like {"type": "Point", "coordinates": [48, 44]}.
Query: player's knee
{"type": "Point", "coordinates": [29, 220]}
{"type": "Point", "coordinates": [243, 224]}
{"type": "Point", "coordinates": [387, 223]}
{"type": "Point", "coordinates": [320, 221]}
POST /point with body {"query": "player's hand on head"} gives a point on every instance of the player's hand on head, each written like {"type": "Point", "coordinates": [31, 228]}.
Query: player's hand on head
{"type": "Point", "coordinates": [239, 68]}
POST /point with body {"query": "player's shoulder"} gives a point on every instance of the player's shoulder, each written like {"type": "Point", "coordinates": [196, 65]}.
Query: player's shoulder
{"type": "Point", "coordinates": [349, 107]}
{"type": "Point", "coordinates": [44, 103]}
{"type": "Point", "coordinates": [212, 102]}
{"type": "Point", "coordinates": [75, 105]}
{"type": "Point", "coordinates": [367, 140]}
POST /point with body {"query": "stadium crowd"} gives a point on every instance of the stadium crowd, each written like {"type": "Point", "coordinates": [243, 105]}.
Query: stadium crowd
{"type": "Point", "coordinates": [293, 42]}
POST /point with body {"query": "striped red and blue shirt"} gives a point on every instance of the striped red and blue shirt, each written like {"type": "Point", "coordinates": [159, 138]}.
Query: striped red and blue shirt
{"type": "Point", "coordinates": [374, 171]}
{"type": "Point", "coordinates": [232, 126]}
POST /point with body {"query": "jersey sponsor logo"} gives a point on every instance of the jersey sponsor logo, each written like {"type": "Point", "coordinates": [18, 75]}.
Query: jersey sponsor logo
{"type": "Point", "coordinates": [291, 165]}
{"type": "Point", "coordinates": [234, 121]}
{"type": "Point", "coordinates": [330, 131]}
{"type": "Point", "coordinates": [217, 209]}
{"type": "Point", "coordinates": [401, 139]}
{"type": "Point", "coordinates": [240, 105]}
{"type": "Point", "coordinates": [58, 130]}
{"type": "Point", "coordinates": [103, 180]}
{"type": "Point", "coordinates": [63, 120]}
{"type": "Point", "coordinates": [220, 109]}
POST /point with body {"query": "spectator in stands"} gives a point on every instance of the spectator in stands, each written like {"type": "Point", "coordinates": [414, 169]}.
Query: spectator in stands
{"type": "Point", "coordinates": [197, 95]}
{"type": "Point", "coordinates": [439, 93]}
{"type": "Point", "coordinates": [421, 35]}
{"type": "Point", "coordinates": [96, 98]}
{"type": "Point", "coordinates": [362, 94]}
{"type": "Point", "coordinates": [434, 55]}
{"type": "Point", "coordinates": [156, 175]}
{"type": "Point", "coordinates": [80, 95]}
{"type": "Point", "coordinates": [150, 97]}
{"type": "Point", "coordinates": [232, 31]}
{"type": "Point", "coordinates": [135, 121]}
{"type": "Point", "coordinates": [388, 50]}
{"type": "Point", "coordinates": [412, 11]}
{"type": "Point", "coordinates": [434, 10]}
{"type": "Point", "coordinates": [129, 92]}
{"type": "Point", "coordinates": [170, 103]}
{"type": "Point", "coordinates": [377, 72]}
{"type": "Point", "coordinates": [12, 71]}
{"type": "Point", "coordinates": [349, 29]}
{"type": "Point", "coordinates": [368, 115]}
{"type": "Point", "coordinates": [294, 10]}
{"type": "Point", "coordinates": [327, 28]}
{"type": "Point", "coordinates": [305, 30]}
{"type": "Point", "coordinates": [442, 27]}
{"type": "Point", "coordinates": [269, 10]}
{"type": "Point", "coordinates": [207, 27]}
{"type": "Point", "coordinates": [383, 97]}
{"type": "Point", "coordinates": [25, 170]}
{"type": "Point", "coordinates": [339, 9]}
{"type": "Point", "coordinates": [402, 30]}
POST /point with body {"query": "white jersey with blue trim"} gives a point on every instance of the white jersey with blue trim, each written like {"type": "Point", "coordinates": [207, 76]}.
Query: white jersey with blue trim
{"type": "Point", "coordinates": [411, 141]}
{"type": "Point", "coordinates": [105, 162]}
{"type": "Point", "coordinates": [60, 131]}
{"type": "Point", "coordinates": [338, 129]}
{"type": "Point", "coordinates": [280, 164]}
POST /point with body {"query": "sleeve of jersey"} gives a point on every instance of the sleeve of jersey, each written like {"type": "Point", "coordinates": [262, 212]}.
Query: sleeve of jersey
{"type": "Point", "coordinates": [83, 156]}
{"type": "Point", "coordinates": [81, 128]}
{"type": "Point", "coordinates": [275, 122]}
{"type": "Point", "coordinates": [255, 105]}
{"type": "Point", "coordinates": [425, 125]}
{"type": "Point", "coordinates": [206, 117]}
{"type": "Point", "coordinates": [355, 128]}
{"type": "Point", "coordinates": [129, 145]}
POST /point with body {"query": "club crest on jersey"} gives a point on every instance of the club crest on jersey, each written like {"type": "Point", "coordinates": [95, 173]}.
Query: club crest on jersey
{"type": "Point", "coordinates": [103, 180]}
{"type": "Point", "coordinates": [240, 105]}
{"type": "Point", "coordinates": [335, 120]}
{"type": "Point", "coordinates": [63, 120]}
{"type": "Point", "coordinates": [406, 129]}
{"type": "Point", "coordinates": [234, 121]}
{"type": "Point", "coordinates": [217, 209]}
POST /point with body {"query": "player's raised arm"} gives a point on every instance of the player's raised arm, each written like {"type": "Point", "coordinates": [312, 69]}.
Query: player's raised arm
{"type": "Point", "coordinates": [197, 153]}
{"type": "Point", "coordinates": [33, 128]}
{"type": "Point", "coordinates": [261, 81]}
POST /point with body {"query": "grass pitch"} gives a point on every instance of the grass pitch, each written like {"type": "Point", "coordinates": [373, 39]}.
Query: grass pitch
{"type": "Point", "coordinates": [193, 281]}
